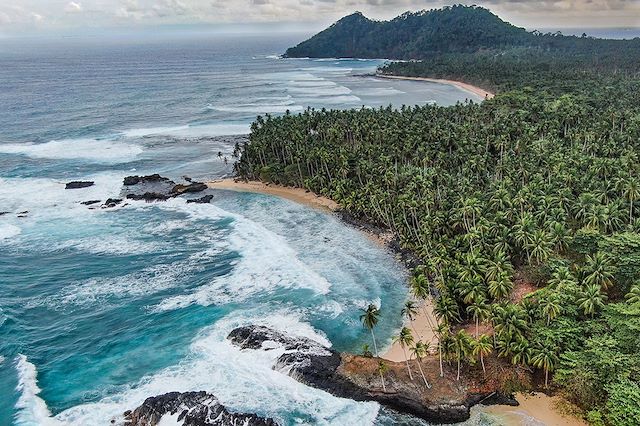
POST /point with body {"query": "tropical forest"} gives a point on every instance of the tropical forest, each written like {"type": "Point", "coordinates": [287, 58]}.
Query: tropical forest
{"type": "Point", "coordinates": [523, 210]}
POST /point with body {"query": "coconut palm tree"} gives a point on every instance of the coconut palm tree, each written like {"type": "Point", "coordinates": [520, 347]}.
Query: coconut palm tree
{"type": "Point", "coordinates": [550, 307]}
{"type": "Point", "coordinates": [369, 319]}
{"type": "Point", "coordinates": [482, 347]}
{"type": "Point", "coordinates": [405, 339]}
{"type": "Point", "coordinates": [442, 331]}
{"type": "Point", "coordinates": [461, 342]}
{"type": "Point", "coordinates": [420, 350]}
{"type": "Point", "coordinates": [382, 368]}
{"type": "Point", "coordinates": [545, 356]}
{"type": "Point", "coordinates": [479, 312]}
{"type": "Point", "coordinates": [598, 270]}
{"type": "Point", "coordinates": [634, 295]}
{"type": "Point", "coordinates": [409, 311]}
{"type": "Point", "coordinates": [592, 299]}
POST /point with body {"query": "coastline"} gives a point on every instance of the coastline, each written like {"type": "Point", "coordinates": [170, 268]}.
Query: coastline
{"type": "Point", "coordinates": [537, 406]}
{"type": "Point", "coordinates": [298, 195]}
{"type": "Point", "coordinates": [459, 84]}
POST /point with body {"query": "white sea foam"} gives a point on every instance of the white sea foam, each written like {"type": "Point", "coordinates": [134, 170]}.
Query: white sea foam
{"type": "Point", "coordinates": [112, 244]}
{"type": "Point", "coordinates": [319, 91]}
{"type": "Point", "coordinates": [193, 131]}
{"type": "Point", "coordinates": [267, 262]}
{"type": "Point", "coordinates": [380, 91]}
{"type": "Point", "coordinates": [8, 231]}
{"type": "Point", "coordinates": [101, 151]}
{"type": "Point", "coordinates": [39, 195]}
{"type": "Point", "coordinates": [243, 380]}
{"type": "Point", "coordinates": [31, 409]}
{"type": "Point", "coordinates": [1, 357]}
{"type": "Point", "coordinates": [260, 108]}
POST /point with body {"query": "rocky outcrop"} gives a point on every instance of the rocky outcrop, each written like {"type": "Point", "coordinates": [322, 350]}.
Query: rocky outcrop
{"type": "Point", "coordinates": [111, 202]}
{"type": "Point", "coordinates": [78, 184]}
{"type": "Point", "coordinates": [154, 178]}
{"type": "Point", "coordinates": [192, 409]}
{"type": "Point", "coordinates": [357, 377]}
{"type": "Point", "coordinates": [190, 188]}
{"type": "Point", "coordinates": [157, 188]}
{"type": "Point", "coordinates": [202, 200]}
{"type": "Point", "coordinates": [90, 202]}
{"type": "Point", "coordinates": [149, 196]}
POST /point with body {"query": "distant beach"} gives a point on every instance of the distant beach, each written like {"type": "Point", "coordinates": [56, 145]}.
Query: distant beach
{"type": "Point", "coordinates": [464, 86]}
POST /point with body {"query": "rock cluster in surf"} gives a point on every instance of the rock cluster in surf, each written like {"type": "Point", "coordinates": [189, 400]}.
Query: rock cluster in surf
{"type": "Point", "coordinates": [356, 377]}
{"type": "Point", "coordinates": [190, 409]}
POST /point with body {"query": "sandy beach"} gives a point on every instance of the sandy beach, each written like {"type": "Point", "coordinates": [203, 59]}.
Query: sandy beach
{"type": "Point", "coordinates": [422, 329]}
{"type": "Point", "coordinates": [464, 86]}
{"type": "Point", "coordinates": [298, 195]}
{"type": "Point", "coordinates": [534, 409]}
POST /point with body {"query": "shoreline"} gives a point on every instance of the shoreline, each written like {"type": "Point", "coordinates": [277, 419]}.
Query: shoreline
{"type": "Point", "coordinates": [298, 195]}
{"type": "Point", "coordinates": [538, 406]}
{"type": "Point", "coordinates": [459, 84]}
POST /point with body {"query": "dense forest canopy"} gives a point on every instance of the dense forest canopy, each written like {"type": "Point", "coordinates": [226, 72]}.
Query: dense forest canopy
{"type": "Point", "coordinates": [537, 189]}
{"type": "Point", "coordinates": [423, 34]}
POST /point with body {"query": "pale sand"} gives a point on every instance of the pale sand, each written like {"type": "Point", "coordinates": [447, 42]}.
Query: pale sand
{"type": "Point", "coordinates": [298, 195]}
{"type": "Point", "coordinates": [422, 329]}
{"type": "Point", "coordinates": [538, 406]}
{"type": "Point", "coordinates": [464, 86]}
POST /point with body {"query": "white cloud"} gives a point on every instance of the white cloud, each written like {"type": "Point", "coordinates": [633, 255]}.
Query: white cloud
{"type": "Point", "coordinates": [72, 6]}
{"type": "Point", "coordinates": [24, 14]}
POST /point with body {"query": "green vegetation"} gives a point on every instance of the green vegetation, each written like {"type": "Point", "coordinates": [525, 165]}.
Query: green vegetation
{"type": "Point", "coordinates": [421, 35]}
{"type": "Point", "coordinates": [522, 209]}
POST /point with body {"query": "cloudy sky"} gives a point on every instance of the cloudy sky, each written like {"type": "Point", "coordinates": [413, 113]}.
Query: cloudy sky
{"type": "Point", "coordinates": [63, 15]}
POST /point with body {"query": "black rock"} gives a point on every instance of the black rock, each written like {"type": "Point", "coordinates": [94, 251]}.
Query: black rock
{"type": "Point", "coordinates": [149, 196]}
{"type": "Point", "coordinates": [134, 180]}
{"type": "Point", "coordinates": [315, 365]}
{"type": "Point", "coordinates": [193, 409]}
{"type": "Point", "coordinates": [190, 188]}
{"type": "Point", "coordinates": [77, 184]}
{"type": "Point", "coordinates": [3, 213]}
{"type": "Point", "coordinates": [90, 202]}
{"type": "Point", "coordinates": [202, 200]}
{"type": "Point", "coordinates": [112, 202]}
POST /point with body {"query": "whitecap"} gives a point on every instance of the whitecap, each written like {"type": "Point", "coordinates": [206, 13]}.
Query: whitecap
{"type": "Point", "coordinates": [191, 130]}
{"type": "Point", "coordinates": [31, 409]}
{"type": "Point", "coordinates": [8, 231]}
{"type": "Point", "coordinates": [320, 91]}
{"type": "Point", "coordinates": [243, 380]}
{"type": "Point", "coordinates": [260, 108]}
{"type": "Point", "coordinates": [267, 262]}
{"type": "Point", "coordinates": [101, 151]}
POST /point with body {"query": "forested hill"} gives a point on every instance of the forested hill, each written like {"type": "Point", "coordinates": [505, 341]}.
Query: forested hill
{"type": "Point", "coordinates": [422, 34]}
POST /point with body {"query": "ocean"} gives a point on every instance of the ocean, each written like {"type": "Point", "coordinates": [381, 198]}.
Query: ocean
{"type": "Point", "coordinates": [102, 308]}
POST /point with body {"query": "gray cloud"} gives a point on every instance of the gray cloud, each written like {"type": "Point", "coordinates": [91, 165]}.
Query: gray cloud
{"type": "Point", "coordinates": [21, 15]}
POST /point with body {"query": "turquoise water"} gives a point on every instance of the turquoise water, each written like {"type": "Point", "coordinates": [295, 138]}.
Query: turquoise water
{"type": "Point", "coordinates": [100, 309]}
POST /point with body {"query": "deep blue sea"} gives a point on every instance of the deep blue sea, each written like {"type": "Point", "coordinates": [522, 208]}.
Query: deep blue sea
{"type": "Point", "coordinates": [102, 308]}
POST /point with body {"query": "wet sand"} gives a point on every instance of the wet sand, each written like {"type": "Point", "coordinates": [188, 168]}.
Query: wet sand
{"type": "Point", "coordinates": [464, 86]}
{"type": "Point", "coordinates": [298, 195]}
{"type": "Point", "coordinates": [535, 409]}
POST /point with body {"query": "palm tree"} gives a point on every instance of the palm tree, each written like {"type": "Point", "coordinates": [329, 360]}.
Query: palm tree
{"type": "Point", "coordinates": [406, 340]}
{"type": "Point", "coordinates": [409, 311]}
{"type": "Point", "coordinates": [369, 320]}
{"type": "Point", "coordinates": [461, 345]}
{"type": "Point", "coordinates": [479, 312]}
{"type": "Point", "coordinates": [382, 368]}
{"type": "Point", "coordinates": [634, 295]}
{"type": "Point", "coordinates": [599, 270]}
{"type": "Point", "coordinates": [482, 347]}
{"type": "Point", "coordinates": [592, 299]}
{"type": "Point", "coordinates": [420, 350]}
{"type": "Point", "coordinates": [442, 331]}
{"type": "Point", "coordinates": [545, 357]}
{"type": "Point", "coordinates": [550, 307]}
